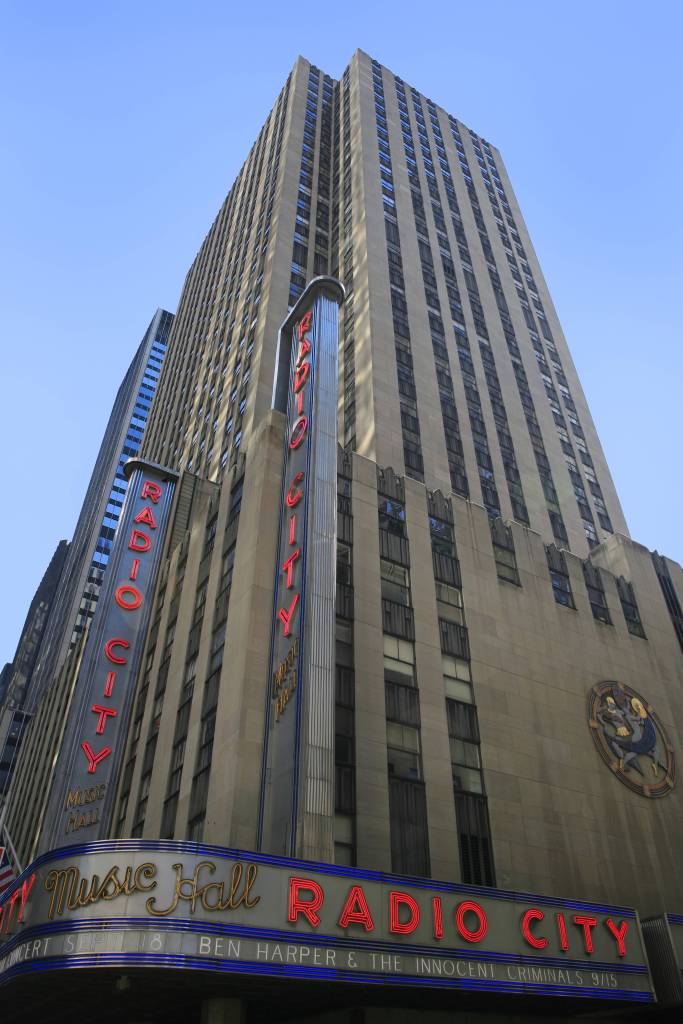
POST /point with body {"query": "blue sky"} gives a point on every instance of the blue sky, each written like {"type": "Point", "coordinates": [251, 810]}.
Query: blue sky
{"type": "Point", "coordinates": [124, 125]}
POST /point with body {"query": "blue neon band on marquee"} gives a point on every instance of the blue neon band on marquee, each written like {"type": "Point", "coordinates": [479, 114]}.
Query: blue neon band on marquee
{"type": "Point", "coordinates": [311, 973]}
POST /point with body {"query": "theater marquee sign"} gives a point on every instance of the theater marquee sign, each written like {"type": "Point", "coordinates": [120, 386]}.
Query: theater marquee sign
{"type": "Point", "coordinates": [174, 905]}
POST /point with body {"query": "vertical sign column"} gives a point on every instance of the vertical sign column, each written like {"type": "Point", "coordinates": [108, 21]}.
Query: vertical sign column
{"type": "Point", "coordinates": [297, 791]}
{"type": "Point", "coordinates": [81, 800]}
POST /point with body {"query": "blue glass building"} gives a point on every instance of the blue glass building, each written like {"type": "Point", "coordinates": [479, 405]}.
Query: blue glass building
{"type": "Point", "coordinates": [88, 553]}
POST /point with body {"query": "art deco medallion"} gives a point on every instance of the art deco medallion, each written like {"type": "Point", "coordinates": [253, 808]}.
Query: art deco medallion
{"type": "Point", "coordinates": [631, 739]}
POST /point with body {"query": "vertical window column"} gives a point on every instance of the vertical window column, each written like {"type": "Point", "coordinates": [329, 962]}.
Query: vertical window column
{"type": "Point", "coordinates": [471, 807]}
{"type": "Point", "coordinates": [670, 596]}
{"type": "Point", "coordinates": [498, 199]}
{"type": "Point", "coordinates": [410, 425]}
{"type": "Point", "coordinates": [456, 461]}
{"type": "Point", "coordinates": [349, 360]}
{"type": "Point", "coordinates": [202, 770]}
{"type": "Point", "coordinates": [345, 733]}
{"type": "Point", "coordinates": [407, 800]}
{"type": "Point", "coordinates": [536, 437]}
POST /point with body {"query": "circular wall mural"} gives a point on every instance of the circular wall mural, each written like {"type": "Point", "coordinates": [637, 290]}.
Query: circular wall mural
{"type": "Point", "coordinates": [631, 739]}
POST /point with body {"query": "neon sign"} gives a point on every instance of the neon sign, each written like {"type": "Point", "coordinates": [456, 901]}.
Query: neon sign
{"type": "Point", "coordinates": [82, 793]}
{"type": "Point", "coordinates": [300, 700]}
{"type": "Point", "coordinates": [232, 910]}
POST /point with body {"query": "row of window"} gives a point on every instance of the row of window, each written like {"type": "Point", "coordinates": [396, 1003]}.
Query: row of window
{"type": "Point", "coordinates": [533, 427]}
{"type": "Point", "coordinates": [449, 414]}
{"type": "Point", "coordinates": [512, 475]}
{"type": "Point", "coordinates": [410, 424]}
{"type": "Point", "coordinates": [200, 780]}
{"type": "Point", "coordinates": [408, 814]}
{"type": "Point", "coordinates": [506, 568]}
{"type": "Point", "coordinates": [110, 519]}
{"type": "Point", "coordinates": [212, 342]}
{"type": "Point", "coordinates": [343, 129]}
{"type": "Point", "coordinates": [345, 734]}
{"type": "Point", "coordinates": [498, 200]}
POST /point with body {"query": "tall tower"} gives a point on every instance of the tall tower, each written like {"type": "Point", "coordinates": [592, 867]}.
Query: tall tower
{"type": "Point", "coordinates": [486, 589]}
{"type": "Point", "coordinates": [76, 583]}
{"type": "Point", "coordinates": [375, 659]}
{"type": "Point", "coordinates": [455, 368]}
{"type": "Point", "coordinates": [91, 544]}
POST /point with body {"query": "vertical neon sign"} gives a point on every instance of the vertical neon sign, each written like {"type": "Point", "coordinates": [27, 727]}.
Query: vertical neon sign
{"type": "Point", "coordinates": [82, 794]}
{"type": "Point", "coordinates": [297, 791]}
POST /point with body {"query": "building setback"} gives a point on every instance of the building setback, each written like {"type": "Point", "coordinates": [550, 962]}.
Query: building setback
{"type": "Point", "coordinates": [507, 703]}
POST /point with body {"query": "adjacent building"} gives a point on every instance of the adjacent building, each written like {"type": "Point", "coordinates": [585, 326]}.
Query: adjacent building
{"type": "Point", "coordinates": [17, 675]}
{"type": "Point", "coordinates": [482, 701]}
{"type": "Point", "coordinates": [90, 547]}
{"type": "Point", "coordinates": [67, 597]}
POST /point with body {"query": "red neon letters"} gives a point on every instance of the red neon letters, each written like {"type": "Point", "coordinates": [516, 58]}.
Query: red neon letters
{"type": "Point", "coordinates": [294, 494]}
{"type": "Point", "coordinates": [116, 641]}
{"type": "Point", "coordinates": [308, 907]}
{"type": "Point", "coordinates": [296, 487]}
{"type": "Point", "coordinates": [20, 896]}
{"type": "Point", "coordinates": [139, 541]}
{"type": "Point", "coordinates": [286, 615]}
{"type": "Point", "coordinates": [562, 932]}
{"type": "Point", "coordinates": [298, 433]}
{"type": "Point", "coordinates": [151, 491]}
{"type": "Point", "coordinates": [466, 919]}
{"type": "Point", "coordinates": [527, 918]}
{"type": "Point", "coordinates": [146, 515]}
{"type": "Point", "coordinates": [468, 934]}
{"type": "Point", "coordinates": [587, 923]}
{"type": "Point", "coordinates": [619, 934]}
{"type": "Point", "coordinates": [356, 910]}
{"type": "Point", "coordinates": [437, 914]}
{"type": "Point", "coordinates": [396, 901]}
{"type": "Point", "coordinates": [93, 758]}
{"type": "Point", "coordinates": [128, 598]}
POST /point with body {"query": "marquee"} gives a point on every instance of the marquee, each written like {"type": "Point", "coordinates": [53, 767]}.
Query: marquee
{"type": "Point", "coordinates": [184, 906]}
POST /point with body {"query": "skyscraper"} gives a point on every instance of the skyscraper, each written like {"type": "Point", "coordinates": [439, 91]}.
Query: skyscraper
{"type": "Point", "coordinates": [75, 575]}
{"type": "Point", "coordinates": [491, 408]}
{"type": "Point", "coordinates": [505, 706]}
{"type": "Point", "coordinates": [91, 545]}
{"type": "Point", "coordinates": [19, 673]}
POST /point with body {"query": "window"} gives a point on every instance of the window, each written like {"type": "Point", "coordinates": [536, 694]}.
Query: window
{"type": "Point", "coordinates": [466, 765]}
{"type": "Point", "coordinates": [629, 607]}
{"type": "Point", "coordinates": [403, 751]}
{"type": "Point", "coordinates": [210, 535]}
{"type": "Point", "coordinates": [504, 552]}
{"type": "Point", "coordinates": [457, 678]}
{"type": "Point", "coordinates": [596, 594]}
{"type": "Point", "coordinates": [395, 580]}
{"type": "Point", "coordinates": [344, 845]}
{"type": "Point", "coordinates": [200, 602]}
{"type": "Point", "coordinates": [217, 644]}
{"type": "Point", "coordinates": [449, 603]}
{"type": "Point", "coordinates": [344, 572]}
{"type": "Point", "coordinates": [399, 661]}
{"type": "Point", "coordinates": [559, 577]}
{"type": "Point", "coordinates": [392, 516]}
{"type": "Point", "coordinates": [441, 534]}
{"type": "Point", "coordinates": [190, 672]}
